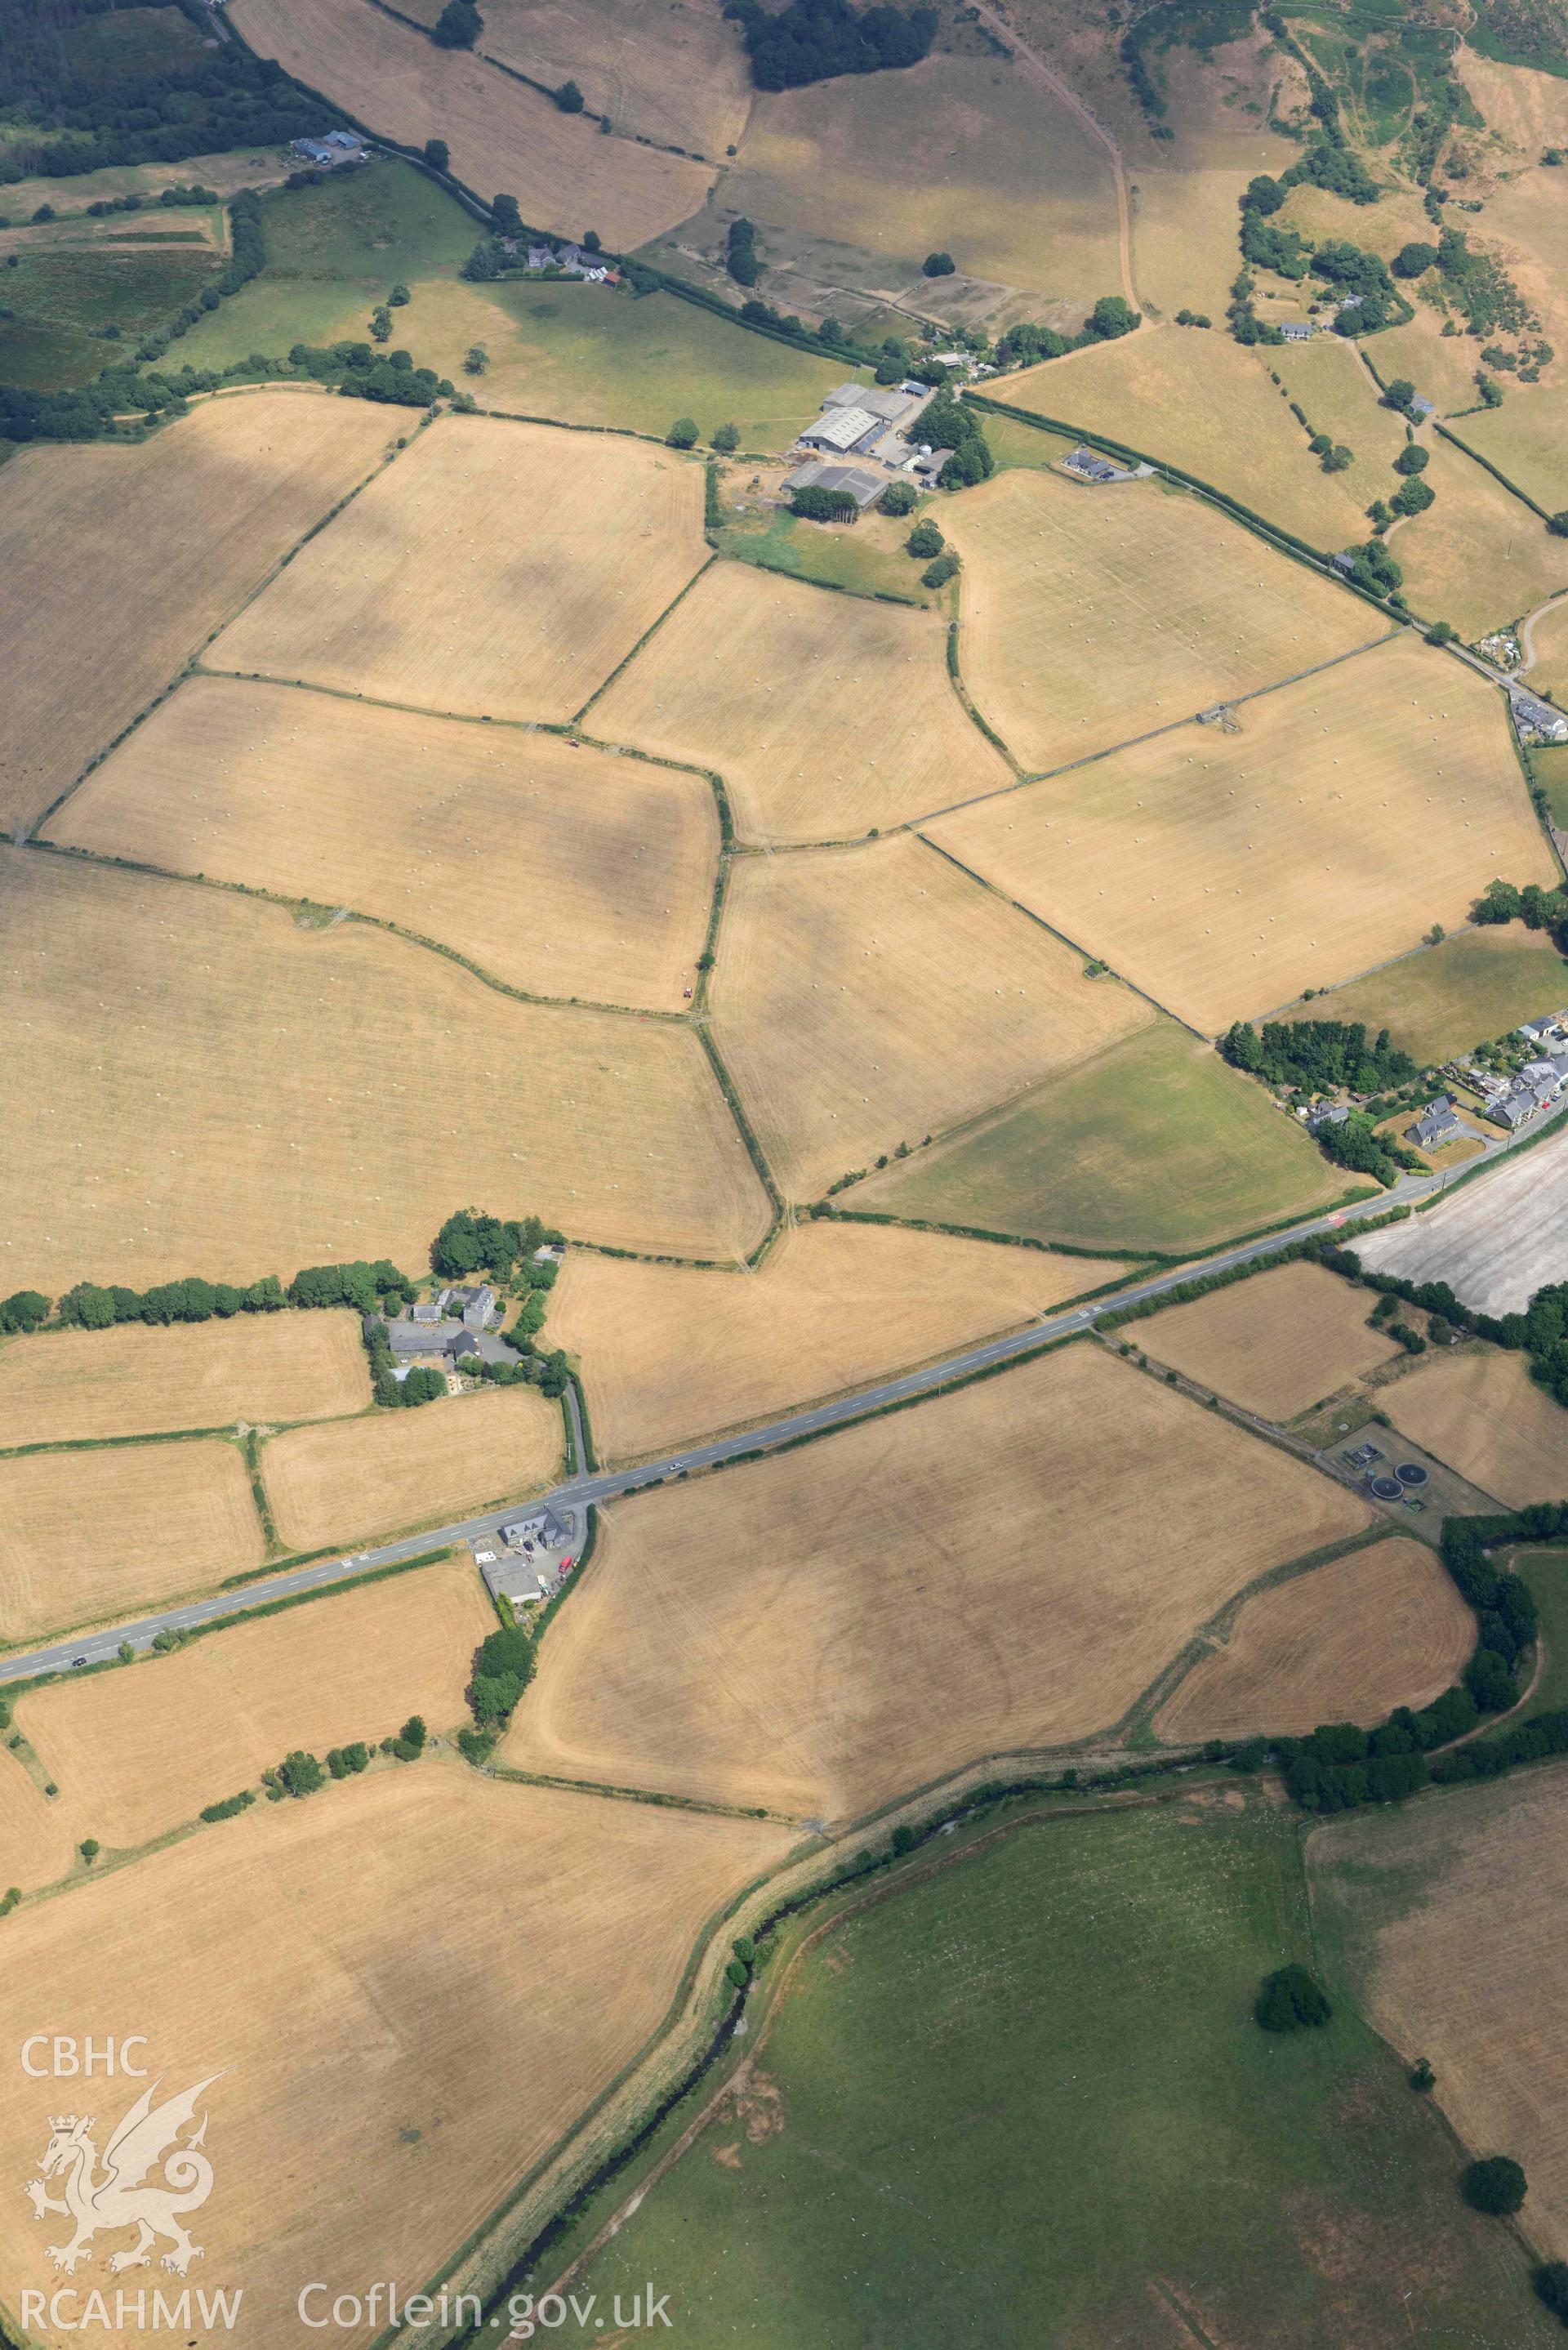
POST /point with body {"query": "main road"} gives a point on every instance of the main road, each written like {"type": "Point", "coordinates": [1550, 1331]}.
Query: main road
{"type": "Point", "coordinates": [580, 1490]}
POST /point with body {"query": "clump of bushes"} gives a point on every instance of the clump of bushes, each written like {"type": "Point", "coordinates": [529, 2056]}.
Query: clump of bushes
{"type": "Point", "coordinates": [1291, 2000]}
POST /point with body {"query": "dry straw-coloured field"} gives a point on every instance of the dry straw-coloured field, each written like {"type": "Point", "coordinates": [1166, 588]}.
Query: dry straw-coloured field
{"type": "Point", "coordinates": [346, 1478]}
{"type": "Point", "coordinates": [85, 1536]}
{"type": "Point", "coordinates": [136, 1754]}
{"type": "Point", "coordinates": [412, 1986]}
{"type": "Point", "coordinates": [1525, 439]}
{"type": "Point", "coordinates": [218, 1089]}
{"type": "Point", "coordinates": [135, 1381]}
{"type": "Point", "coordinates": [874, 996]}
{"type": "Point", "coordinates": [805, 703]}
{"type": "Point", "coordinates": [1224, 873]}
{"type": "Point", "coordinates": [1479, 558]}
{"type": "Point", "coordinates": [1276, 1344]}
{"type": "Point", "coordinates": [563, 871]}
{"type": "Point", "coordinates": [565, 547]}
{"type": "Point", "coordinates": [1203, 403]}
{"type": "Point", "coordinates": [1061, 582]}
{"type": "Point", "coordinates": [1327, 377]}
{"type": "Point", "coordinates": [670, 1351]}
{"type": "Point", "coordinates": [1004, 1567]}
{"type": "Point", "coordinates": [36, 1841]}
{"type": "Point", "coordinates": [962, 153]}
{"type": "Point", "coordinates": [1349, 1642]}
{"type": "Point", "coordinates": [566, 177]}
{"type": "Point", "coordinates": [1185, 190]}
{"type": "Point", "coordinates": [1451, 1915]}
{"type": "Point", "coordinates": [1483, 1414]}
{"type": "Point", "coordinates": [115, 564]}
{"type": "Point", "coordinates": [671, 71]}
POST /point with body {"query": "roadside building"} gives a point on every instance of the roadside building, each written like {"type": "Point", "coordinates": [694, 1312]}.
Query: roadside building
{"type": "Point", "coordinates": [1327, 1114]}
{"type": "Point", "coordinates": [1436, 1125]}
{"type": "Point", "coordinates": [539, 1525]}
{"type": "Point", "coordinates": [1532, 717]}
{"type": "Point", "coordinates": [1088, 465]}
{"type": "Point", "coordinates": [1298, 330]}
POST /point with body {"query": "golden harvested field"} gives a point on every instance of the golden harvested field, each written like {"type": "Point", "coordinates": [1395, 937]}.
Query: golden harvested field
{"type": "Point", "coordinates": [933, 999]}
{"type": "Point", "coordinates": [1483, 1414]}
{"type": "Point", "coordinates": [135, 1381]}
{"type": "Point", "coordinates": [34, 1834]}
{"type": "Point", "coordinates": [1479, 558]}
{"type": "Point", "coordinates": [962, 153]}
{"type": "Point", "coordinates": [803, 701]}
{"type": "Point", "coordinates": [1185, 208]}
{"type": "Point", "coordinates": [1528, 111]}
{"type": "Point", "coordinates": [1007, 1566]}
{"type": "Point", "coordinates": [116, 562]}
{"type": "Point", "coordinates": [1349, 1642]}
{"type": "Point", "coordinates": [412, 1986]}
{"type": "Point", "coordinates": [566, 177]}
{"type": "Point", "coordinates": [1092, 615]}
{"type": "Point", "coordinates": [565, 547]}
{"type": "Point", "coordinates": [669, 1352]}
{"type": "Point", "coordinates": [248, 1096]}
{"type": "Point", "coordinates": [1525, 439]}
{"type": "Point", "coordinates": [1451, 1916]}
{"type": "Point", "coordinates": [1203, 402]}
{"type": "Point", "coordinates": [86, 1536]}
{"type": "Point", "coordinates": [1276, 1344]}
{"type": "Point", "coordinates": [1226, 872]}
{"type": "Point", "coordinates": [563, 871]}
{"type": "Point", "coordinates": [137, 1752]}
{"type": "Point", "coordinates": [671, 71]}
{"type": "Point", "coordinates": [346, 1478]}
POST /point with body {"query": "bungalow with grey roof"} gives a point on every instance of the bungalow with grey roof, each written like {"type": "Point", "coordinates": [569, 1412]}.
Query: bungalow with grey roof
{"type": "Point", "coordinates": [1436, 1125]}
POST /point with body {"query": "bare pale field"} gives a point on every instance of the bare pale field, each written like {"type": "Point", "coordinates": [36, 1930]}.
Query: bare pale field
{"type": "Point", "coordinates": [410, 1986]}
{"type": "Point", "coordinates": [1200, 401]}
{"type": "Point", "coordinates": [136, 1381]}
{"type": "Point", "coordinates": [85, 1536]}
{"type": "Point", "coordinates": [566, 177]}
{"type": "Point", "coordinates": [1479, 558]}
{"type": "Point", "coordinates": [1527, 109]}
{"type": "Point", "coordinates": [216, 1085]}
{"type": "Point", "coordinates": [669, 1352]}
{"type": "Point", "coordinates": [1525, 439]}
{"type": "Point", "coordinates": [799, 698]}
{"type": "Point", "coordinates": [565, 546]}
{"type": "Point", "coordinates": [344, 1478]}
{"type": "Point", "coordinates": [1484, 1415]}
{"type": "Point", "coordinates": [1224, 873]}
{"type": "Point", "coordinates": [960, 153]}
{"type": "Point", "coordinates": [1092, 615]}
{"type": "Point", "coordinates": [563, 871]}
{"type": "Point", "coordinates": [1007, 1566]}
{"type": "Point", "coordinates": [1450, 1914]}
{"type": "Point", "coordinates": [1349, 1642]}
{"type": "Point", "coordinates": [137, 1752]}
{"type": "Point", "coordinates": [1500, 1240]}
{"type": "Point", "coordinates": [670, 72]}
{"type": "Point", "coordinates": [1185, 209]}
{"type": "Point", "coordinates": [1276, 1344]}
{"type": "Point", "coordinates": [951, 1001]}
{"type": "Point", "coordinates": [115, 564]}
{"type": "Point", "coordinates": [36, 1841]}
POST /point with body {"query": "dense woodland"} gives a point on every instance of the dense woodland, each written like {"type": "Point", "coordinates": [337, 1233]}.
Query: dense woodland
{"type": "Point", "coordinates": [814, 40]}
{"type": "Point", "coordinates": [84, 84]}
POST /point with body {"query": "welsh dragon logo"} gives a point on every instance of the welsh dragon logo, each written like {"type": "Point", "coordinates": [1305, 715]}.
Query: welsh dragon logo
{"type": "Point", "coordinates": [119, 2197]}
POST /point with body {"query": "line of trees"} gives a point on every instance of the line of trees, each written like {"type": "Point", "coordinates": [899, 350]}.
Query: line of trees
{"type": "Point", "coordinates": [1023, 343]}
{"type": "Point", "coordinates": [1319, 1054]}
{"type": "Point", "coordinates": [1537, 909]}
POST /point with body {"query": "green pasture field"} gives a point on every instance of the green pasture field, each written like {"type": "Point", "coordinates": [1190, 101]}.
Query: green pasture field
{"type": "Point", "coordinates": [1550, 769]}
{"type": "Point", "coordinates": [867, 557]}
{"type": "Point", "coordinates": [131, 43]}
{"type": "Point", "coordinates": [1451, 998]}
{"type": "Point", "coordinates": [1154, 1145]}
{"type": "Point", "coordinates": [333, 252]}
{"type": "Point", "coordinates": [1546, 1572]}
{"type": "Point", "coordinates": [58, 299]}
{"type": "Point", "coordinates": [1023, 2100]}
{"type": "Point", "coordinates": [1012, 443]}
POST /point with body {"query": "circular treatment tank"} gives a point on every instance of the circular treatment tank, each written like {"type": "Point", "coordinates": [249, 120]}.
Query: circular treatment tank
{"type": "Point", "coordinates": [1387, 1489]}
{"type": "Point", "coordinates": [1410, 1473]}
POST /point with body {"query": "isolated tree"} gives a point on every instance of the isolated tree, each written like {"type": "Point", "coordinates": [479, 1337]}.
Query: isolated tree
{"type": "Point", "coordinates": [1337, 459]}
{"type": "Point", "coordinates": [124, 1652]}
{"type": "Point", "coordinates": [925, 540]}
{"type": "Point", "coordinates": [592, 242]}
{"type": "Point", "coordinates": [508, 220]}
{"type": "Point", "coordinates": [939, 265]}
{"type": "Point", "coordinates": [458, 27]}
{"type": "Point", "coordinates": [1422, 2077]}
{"type": "Point", "coordinates": [1291, 2000]}
{"type": "Point", "coordinates": [727, 439]}
{"type": "Point", "coordinates": [437, 154]}
{"type": "Point", "coordinates": [396, 299]}
{"type": "Point", "coordinates": [1412, 459]}
{"type": "Point", "coordinates": [381, 325]}
{"type": "Point", "coordinates": [476, 359]}
{"type": "Point", "coordinates": [1414, 496]}
{"type": "Point", "coordinates": [23, 1310]}
{"type": "Point", "coordinates": [898, 498]}
{"type": "Point", "coordinates": [569, 97]}
{"type": "Point", "coordinates": [1557, 524]}
{"type": "Point", "coordinates": [1495, 2184]}
{"type": "Point", "coordinates": [90, 1849]}
{"type": "Point", "coordinates": [937, 574]}
{"type": "Point", "coordinates": [682, 433]}
{"type": "Point", "coordinates": [1109, 317]}
{"type": "Point", "coordinates": [1401, 391]}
